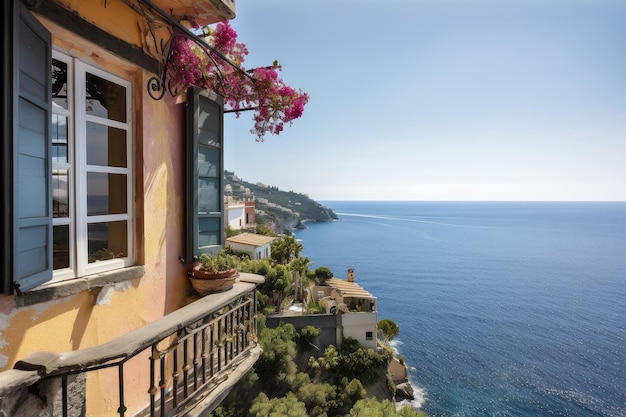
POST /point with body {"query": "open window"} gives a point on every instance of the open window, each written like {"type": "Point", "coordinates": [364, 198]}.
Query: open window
{"type": "Point", "coordinates": [66, 160]}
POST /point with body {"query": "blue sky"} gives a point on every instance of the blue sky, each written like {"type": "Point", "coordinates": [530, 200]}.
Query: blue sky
{"type": "Point", "coordinates": [441, 99]}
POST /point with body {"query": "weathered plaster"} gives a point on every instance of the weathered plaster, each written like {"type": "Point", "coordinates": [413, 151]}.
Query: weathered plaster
{"type": "Point", "coordinates": [105, 294]}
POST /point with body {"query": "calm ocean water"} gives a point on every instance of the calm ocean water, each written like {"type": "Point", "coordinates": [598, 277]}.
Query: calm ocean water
{"type": "Point", "coordinates": [505, 309]}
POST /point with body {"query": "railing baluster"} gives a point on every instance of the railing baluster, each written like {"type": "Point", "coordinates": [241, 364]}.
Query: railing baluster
{"type": "Point", "coordinates": [175, 376]}
{"type": "Point", "coordinates": [122, 409]}
{"type": "Point", "coordinates": [185, 368]}
{"type": "Point", "coordinates": [64, 395]}
{"type": "Point", "coordinates": [153, 388]}
{"type": "Point", "coordinates": [211, 351]}
{"type": "Point", "coordinates": [231, 334]}
{"type": "Point", "coordinates": [220, 343]}
{"type": "Point", "coordinates": [162, 385]}
{"type": "Point", "coordinates": [204, 355]}
{"type": "Point", "coordinates": [195, 361]}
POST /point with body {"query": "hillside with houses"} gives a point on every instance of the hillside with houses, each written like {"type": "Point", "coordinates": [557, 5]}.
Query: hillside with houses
{"type": "Point", "coordinates": [280, 211]}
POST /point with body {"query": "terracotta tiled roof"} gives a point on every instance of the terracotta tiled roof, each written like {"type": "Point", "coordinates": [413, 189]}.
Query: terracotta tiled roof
{"type": "Point", "coordinates": [250, 239]}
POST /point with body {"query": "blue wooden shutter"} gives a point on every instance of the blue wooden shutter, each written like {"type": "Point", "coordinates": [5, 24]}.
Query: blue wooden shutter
{"type": "Point", "coordinates": [204, 173]}
{"type": "Point", "coordinates": [31, 152]}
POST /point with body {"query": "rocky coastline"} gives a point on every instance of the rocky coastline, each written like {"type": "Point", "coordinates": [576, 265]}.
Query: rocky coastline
{"type": "Point", "coordinates": [280, 211]}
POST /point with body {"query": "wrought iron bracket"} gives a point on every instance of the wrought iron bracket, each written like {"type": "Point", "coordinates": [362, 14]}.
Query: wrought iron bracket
{"type": "Point", "coordinates": [157, 86]}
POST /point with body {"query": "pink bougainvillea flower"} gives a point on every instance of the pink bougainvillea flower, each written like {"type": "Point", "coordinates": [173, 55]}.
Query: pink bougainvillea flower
{"type": "Point", "coordinates": [274, 102]}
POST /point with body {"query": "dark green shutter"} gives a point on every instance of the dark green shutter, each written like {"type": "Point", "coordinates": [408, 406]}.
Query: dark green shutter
{"type": "Point", "coordinates": [31, 174]}
{"type": "Point", "coordinates": [204, 173]}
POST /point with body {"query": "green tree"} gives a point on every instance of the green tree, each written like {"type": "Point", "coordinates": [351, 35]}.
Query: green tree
{"type": "Point", "coordinates": [299, 267]}
{"type": "Point", "coordinates": [319, 398]}
{"type": "Point", "coordinates": [285, 249]}
{"type": "Point", "coordinates": [307, 335]}
{"type": "Point", "coordinates": [278, 283]}
{"type": "Point", "coordinates": [364, 364]}
{"type": "Point", "coordinates": [262, 229]}
{"type": "Point", "coordinates": [371, 407]}
{"type": "Point", "coordinates": [408, 411]}
{"type": "Point", "coordinates": [387, 329]}
{"type": "Point", "coordinates": [323, 273]}
{"type": "Point", "coordinates": [276, 366]}
{"type": "Point", "coordinates": [287, 406]}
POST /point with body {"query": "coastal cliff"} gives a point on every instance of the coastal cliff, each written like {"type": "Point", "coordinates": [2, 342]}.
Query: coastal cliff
{"type": "Point", "coordinates": [280, 211]}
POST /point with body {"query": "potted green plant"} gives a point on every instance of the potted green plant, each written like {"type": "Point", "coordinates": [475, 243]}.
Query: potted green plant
{"type": "Point", "coordinates": [214, 272]}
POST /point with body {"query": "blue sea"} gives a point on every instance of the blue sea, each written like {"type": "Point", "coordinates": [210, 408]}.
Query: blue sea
{"type": "Point", "coordinates": [505, 309]}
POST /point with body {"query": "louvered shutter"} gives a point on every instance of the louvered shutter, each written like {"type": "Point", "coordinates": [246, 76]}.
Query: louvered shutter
{"type": "Point", "coordinates": [31, 153]}
{"type": "Point", "coordinates": [204, 173]}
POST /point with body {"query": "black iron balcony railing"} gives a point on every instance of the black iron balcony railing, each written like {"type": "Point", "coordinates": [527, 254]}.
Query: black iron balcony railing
{"type": "Point", "coordinates": [182, 364]}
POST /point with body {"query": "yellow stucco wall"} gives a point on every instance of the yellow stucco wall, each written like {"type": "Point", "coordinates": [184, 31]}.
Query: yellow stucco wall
{"type": "Point", "coordinates": [93, 317]}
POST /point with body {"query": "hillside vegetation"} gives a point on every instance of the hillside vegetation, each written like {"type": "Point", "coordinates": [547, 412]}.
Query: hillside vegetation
{"type": "Point", "coordinates": [280, 211]}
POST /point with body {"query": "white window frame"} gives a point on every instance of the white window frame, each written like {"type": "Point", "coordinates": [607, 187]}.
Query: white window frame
{"type": "Point", "coordinates": [77, 155]}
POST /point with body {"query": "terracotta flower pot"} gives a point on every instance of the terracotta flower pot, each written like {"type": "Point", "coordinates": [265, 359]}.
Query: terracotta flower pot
{"type": "Point", "coordinates": [209, 286]}
{"type": "Point", "coordinates": [207, 282]}
{"type": "Point", "coordinates": [198, 273]}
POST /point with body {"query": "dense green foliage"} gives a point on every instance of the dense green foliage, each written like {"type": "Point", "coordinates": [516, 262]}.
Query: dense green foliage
{"type": "Point", "coordinates": [285, 249]}
{"type": "Point", "coordinates": [323, 273]}
{"type": "Point", "coordinates": [372, 408]}
{"type": "Point", "coordinates": [287, 406]}
{"type": "Point", "coordinates": [291, 379]}
{"type": "Point", "coordinates": [328, 385]}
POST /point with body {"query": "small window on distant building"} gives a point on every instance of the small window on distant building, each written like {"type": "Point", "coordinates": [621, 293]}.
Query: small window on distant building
{"type": "Point", "coordinates": [369, 335]}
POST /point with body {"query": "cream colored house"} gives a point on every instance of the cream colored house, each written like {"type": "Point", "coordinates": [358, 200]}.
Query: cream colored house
{"type": "Point", "coordinates": [257, 246]}
{"type": "Point", "coordinates": [356, 306]}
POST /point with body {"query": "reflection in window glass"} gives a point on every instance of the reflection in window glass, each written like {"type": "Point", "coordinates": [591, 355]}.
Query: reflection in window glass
{"type": "Point", "coordinates": [105, 98]}
{"type": "Point", "coordinates": [59, 84]}
{"type": "Point", "coordinates": [59, 138]}
{"type": "Point", "coordinates": [208, 161]}
{"type": "Point", "coordinates": [60, 193]}
{"type": "Point", "coordinates": [107, 241]}
{"type": "Point", "coordinates": [208, 123]}
{"type": "Point", "coordinates": [61, 246]}
{"type": "Point", "coordinates": [106, 193]}
{"type": "Point", "coordinates": [106, 146]}
{"type": "Point", "coordinates": [208, 233]}
{"type": "Point", "coordinates": [208, 198]}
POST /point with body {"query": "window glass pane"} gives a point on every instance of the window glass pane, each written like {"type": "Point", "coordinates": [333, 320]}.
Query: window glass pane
{"type": "Point", "coordinates": [107, 241]}
{"type": "Point", "coordinates": [59, 84]}
{"type": "Point", "coordinates": [59, 138]}
{"type": "Point", "coordinates": [208, 233]}
{"type": "Point", "coordinates": [208, 196]}
{"type": "Point", "coordinates": [208, 122]}
{"type": "Point", "coordinates": [208, 162]}
{"type": "Point", "coordinates": [106, 146]}
{"type": "Point", "coordinates": [61, 247]}
{"type": "Point", "coordinates": [60, 193]}
{"type": "Point", "coordinates": [106, 193]}
{"type": "Point", "coordinates": [105, 98]}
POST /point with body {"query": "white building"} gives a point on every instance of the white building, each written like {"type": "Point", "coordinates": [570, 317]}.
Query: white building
{"type": "Point", "coordinates": [257, 246]}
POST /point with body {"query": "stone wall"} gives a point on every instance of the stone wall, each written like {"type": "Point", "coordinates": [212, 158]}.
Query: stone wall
{"type": "Point", "coordinates": [329, 324]}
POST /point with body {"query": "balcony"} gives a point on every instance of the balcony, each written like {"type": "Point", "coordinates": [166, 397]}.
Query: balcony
{"type": "Point", "coordinates": [183, 364]}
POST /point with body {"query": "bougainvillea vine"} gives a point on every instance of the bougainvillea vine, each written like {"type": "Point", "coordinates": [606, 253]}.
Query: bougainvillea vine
{"type": "Point", "coordinates": [274, 102]}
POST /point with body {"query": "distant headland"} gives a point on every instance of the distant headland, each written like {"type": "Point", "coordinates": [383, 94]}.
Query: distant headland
{"type": "Point", "coordinates": [280, 211]}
